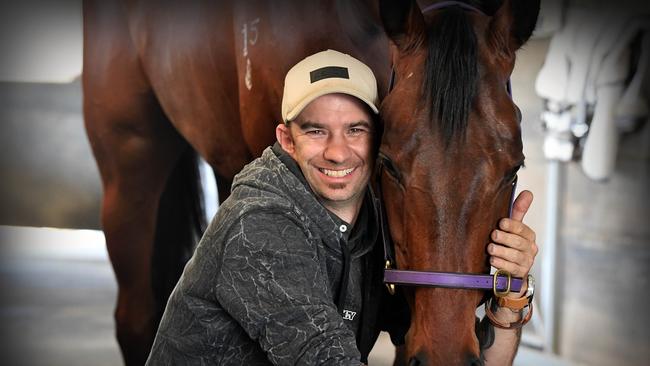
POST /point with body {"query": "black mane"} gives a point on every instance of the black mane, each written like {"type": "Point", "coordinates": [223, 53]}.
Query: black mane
{"type": "Point", "coordinates": [451, 71]}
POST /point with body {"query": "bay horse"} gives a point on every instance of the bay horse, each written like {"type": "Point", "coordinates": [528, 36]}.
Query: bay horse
{"type": "Point", "coordinates": [165, 79]}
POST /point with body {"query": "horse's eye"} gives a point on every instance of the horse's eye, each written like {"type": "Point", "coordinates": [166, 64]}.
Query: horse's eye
{"type": "Point", "coordinates": [390, 167]}
{"type": "Point", "coordinates": [512, 173]}
{"type": "Point", "coordinates": [394, 172]}
{"type": "Point", "coordinates": [518, 112]}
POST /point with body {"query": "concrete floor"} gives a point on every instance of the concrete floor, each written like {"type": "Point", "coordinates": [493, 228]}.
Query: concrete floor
{"type": "Point", "coordinates": [58, 294]}
{"type": "Point", "coordinates": [57, 299]}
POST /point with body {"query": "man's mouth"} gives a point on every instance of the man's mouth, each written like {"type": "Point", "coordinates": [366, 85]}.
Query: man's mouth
{"type": "Point", "coordinates": [336, 173]}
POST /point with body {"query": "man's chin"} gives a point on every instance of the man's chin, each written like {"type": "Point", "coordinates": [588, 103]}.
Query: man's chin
{"type": "Point", "coordinates": [334, 193]}
{"type": "Point", "coordinates": [336, 186]}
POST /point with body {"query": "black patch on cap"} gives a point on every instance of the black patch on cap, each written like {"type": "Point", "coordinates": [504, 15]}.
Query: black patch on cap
{"type": "Point", "coordinates": [329, 72]}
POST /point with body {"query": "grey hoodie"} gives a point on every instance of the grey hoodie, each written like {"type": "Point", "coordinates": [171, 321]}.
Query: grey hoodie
{"type": "Point", "coordinates": [265, 283]}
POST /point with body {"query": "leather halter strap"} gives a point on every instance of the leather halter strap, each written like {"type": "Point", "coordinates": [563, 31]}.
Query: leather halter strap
{"type": "Point", "coordinates": [499, 284]}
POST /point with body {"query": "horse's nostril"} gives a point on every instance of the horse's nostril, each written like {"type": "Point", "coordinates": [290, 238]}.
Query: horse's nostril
{"type": "Point", "coordinates": [475, 361]}
{"type": "Point", "coordinates": [420, 359]}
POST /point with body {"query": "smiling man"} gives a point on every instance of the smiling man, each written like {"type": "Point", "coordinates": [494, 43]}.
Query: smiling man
{"type": "Point", "coordinates": [287, 273]}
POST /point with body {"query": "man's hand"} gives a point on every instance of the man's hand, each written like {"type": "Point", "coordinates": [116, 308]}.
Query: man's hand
{"type": "Point", "coordinates": [513, 248]}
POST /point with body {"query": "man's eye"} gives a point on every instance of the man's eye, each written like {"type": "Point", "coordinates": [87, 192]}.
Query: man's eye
{"type": "Point", "coordinates": [315, 132]}
{"type": "Point", "coordinates": [356, 131]}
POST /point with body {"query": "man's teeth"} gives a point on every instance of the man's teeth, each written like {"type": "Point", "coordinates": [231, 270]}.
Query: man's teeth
{"type": "Point", "coordinates": [337, 173]}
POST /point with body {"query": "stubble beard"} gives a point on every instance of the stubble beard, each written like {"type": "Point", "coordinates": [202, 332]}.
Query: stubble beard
{"type": "Point", "coordinates": [336, 186]}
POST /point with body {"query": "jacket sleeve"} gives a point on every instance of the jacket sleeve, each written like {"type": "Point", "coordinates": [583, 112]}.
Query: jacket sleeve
{"type": "Point", "coordinates": [270, 280]}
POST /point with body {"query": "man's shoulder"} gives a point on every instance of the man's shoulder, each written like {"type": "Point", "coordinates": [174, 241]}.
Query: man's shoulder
{"type": "Point", "coordinates": [266, 164]}
{"type": "Point", "coordinates": [268, 184]}
{"type": "Point", "coordinates": [265, 176]}
{"type": "Point", "coordinates": [266, 190]}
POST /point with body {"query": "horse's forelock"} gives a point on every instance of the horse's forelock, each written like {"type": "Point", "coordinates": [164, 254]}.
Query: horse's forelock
{"type": "Point", "coordinates": [451, 71]}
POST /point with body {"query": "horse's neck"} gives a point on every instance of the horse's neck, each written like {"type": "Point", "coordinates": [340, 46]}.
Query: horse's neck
{"type": "Point", "coordinates": [359, 20]}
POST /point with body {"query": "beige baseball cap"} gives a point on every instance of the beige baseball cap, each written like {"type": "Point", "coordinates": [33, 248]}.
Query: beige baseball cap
{"type": "Point", "coordinates": [323, 73]}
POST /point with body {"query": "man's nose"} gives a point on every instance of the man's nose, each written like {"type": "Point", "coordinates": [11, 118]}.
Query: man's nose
{"type": "Point", "coordinates": [337, 149]}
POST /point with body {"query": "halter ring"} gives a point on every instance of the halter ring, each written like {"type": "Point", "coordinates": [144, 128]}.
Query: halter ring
{"type": "Point", "coordinates": [389, 286]}
{"type": "Point", "coordinates": [496, 292]}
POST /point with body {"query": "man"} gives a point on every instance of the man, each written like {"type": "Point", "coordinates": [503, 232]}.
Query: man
{"type": "Point", "coordinates": [282, 275]}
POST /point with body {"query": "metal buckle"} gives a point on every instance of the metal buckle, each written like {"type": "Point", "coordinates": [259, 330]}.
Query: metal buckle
{"type": "Point", "coordinates": [496, 292]}
{"type": "Point", "coordinates": [389, 286]}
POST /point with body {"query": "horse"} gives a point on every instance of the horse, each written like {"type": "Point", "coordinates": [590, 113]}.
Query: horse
{"type": "Point", "coordinates": [166, 80]}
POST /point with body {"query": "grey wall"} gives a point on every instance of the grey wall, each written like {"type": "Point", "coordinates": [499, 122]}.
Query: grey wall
{"type": "Point", "coordinates": [48, 174]}
{"type": "Point", "coordinates": [604, 244]}
{"type": "Point", "coordinates": [40, 40]}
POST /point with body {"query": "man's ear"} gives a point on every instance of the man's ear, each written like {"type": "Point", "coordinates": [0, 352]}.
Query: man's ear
{"type": "Point", "coordinates": [283, 134]}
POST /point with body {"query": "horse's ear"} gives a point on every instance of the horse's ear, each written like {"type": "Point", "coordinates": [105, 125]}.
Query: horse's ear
{"type": "Point", "coordinates": [403, 22]}
{"type": "Point", "coordinates": [513, 23]}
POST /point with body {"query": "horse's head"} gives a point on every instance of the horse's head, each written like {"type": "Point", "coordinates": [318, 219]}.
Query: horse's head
{"type": "Point", "coordinates": [451, 149]}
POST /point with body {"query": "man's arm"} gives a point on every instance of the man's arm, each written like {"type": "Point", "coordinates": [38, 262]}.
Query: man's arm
{"type": "Point", "coordinates": [513, 249]}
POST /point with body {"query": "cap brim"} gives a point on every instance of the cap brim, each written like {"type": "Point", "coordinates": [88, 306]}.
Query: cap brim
{"type": "Point", "coordinates": [338, 89]}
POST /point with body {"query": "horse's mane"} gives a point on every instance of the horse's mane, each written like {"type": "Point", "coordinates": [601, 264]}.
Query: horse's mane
{"type": "Point", "coordinates": [451, 71]}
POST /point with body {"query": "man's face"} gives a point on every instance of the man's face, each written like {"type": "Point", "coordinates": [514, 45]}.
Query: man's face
{"type": "Point", "coordinates": [331, 139]}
